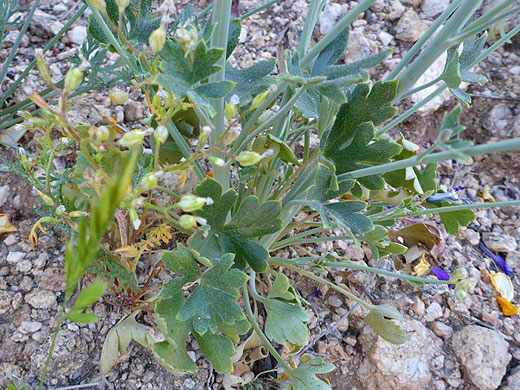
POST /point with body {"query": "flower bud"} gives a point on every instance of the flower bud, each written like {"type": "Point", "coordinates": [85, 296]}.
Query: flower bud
{"type": "Point", "coordinates": [118, 97]}
{"type": "Point", "coordinates": [188, 221]}
{"type": "Point", "coordinates": [134, 218]}
{"type": "Point", "coordinates": [148, 182]}
{"type": "Point", "coordinates": [459, 274]}
{"type": "Point", "coordinates": [247, 158]}
{"type": "Point", "coordinates": [258, 100]}
{"type": "Point", "coordinates": [122, 4]}
{"type": "Point", "coordinates": [157, 39]}
{"type": "Point", "coordinates": [60, 209]}
{"type": "Point", "coordinates": [461, 295]}
{"type": "Point", "coordinates": [217, 161]}
{"type": "Point", "coordinates": [102, 133]}
{"type": "Point", "coordinates": [137, 203]}
{"type": "Point", "coordinates": [73, 79]}
{"type": "Point", "coordinates": [78, 213]}
{"type": "Point", "coordinates": [231, 137]}
{"type": "Point", "coordinates": [206, 130]}
{"type": "Point", "coordinates": [231, 110]}
{"type": "Point", "coordinates": [42, 67]}
{"type": "Point", "coordinates": [99, 5]}
{"type": "Point", "coordinates": [187, 38]}
{"type": "Point", "coordinates": [132, 138]}
{"type": "Point", "coordinates": [191, 203]}
{"type": "Point", "coordinates": [46, 199]}
{"type": "Point", "coordinates": [160, 134]}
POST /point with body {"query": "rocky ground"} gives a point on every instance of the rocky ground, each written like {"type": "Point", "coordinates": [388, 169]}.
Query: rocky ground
{"type": "Point", "coordinates": [469, 345]}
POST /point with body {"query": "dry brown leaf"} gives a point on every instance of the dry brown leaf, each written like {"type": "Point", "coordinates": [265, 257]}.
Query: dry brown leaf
{"type": "Point", "coordinates": [5, 225]}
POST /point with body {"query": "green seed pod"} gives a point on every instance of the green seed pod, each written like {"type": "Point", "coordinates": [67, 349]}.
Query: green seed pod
{"type": "Point", "coordinates": [73, 79]}
{"type": "Point", "coordinates": [158, 39]}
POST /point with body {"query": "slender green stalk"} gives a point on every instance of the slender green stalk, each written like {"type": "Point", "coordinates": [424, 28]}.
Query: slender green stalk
{"type": "Point", "coordinates": [310, 275]}
{"type": "Point", "coordinates": [489, 15]}
{"type": "Point", "coordinates": [310, 23]}
{"type": "Point", "coordinates": [437, 46]}
{"type": "Point", "coordinates": [51, 43]}
{"type": "Point", "coordinates": [252, 288]}
{"type": "Point", "coordinates": [470, 206]}
{"type": "Point", "coordinates": [18, 40]}
{"type": "Point", "coordinates": [184, 148]}
{"type": "Point", "coordinates": [113, 40]}
{"type": "Point", "coordinates": [421, 87]}
{"type": "Point", "coordinates": [309, 241]}
{"type": "Point", "coordinates": [205, 11]}
{"type": "Point", "coordinates": [259, 332]}
{"type": "Point", "coordinates": [61, 317]}
{"type": "Point", "coordinates": [283, 262]}
{"type": "Point", "coordinates": [501, 146]}
{"type": "Point", "coordinates": [411, 111]}
{"type": "Point", "coordinates": [338, 28]}
{"type": "Point", "coordinates": [221, 17]}
{"type": "Point", "coordinates": [421, 42]}
{"type": "Point", "coordinates": [258, 9]}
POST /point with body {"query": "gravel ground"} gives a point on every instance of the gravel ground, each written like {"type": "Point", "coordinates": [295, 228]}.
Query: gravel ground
{"type": "Point", "coordinates": [469, 345]}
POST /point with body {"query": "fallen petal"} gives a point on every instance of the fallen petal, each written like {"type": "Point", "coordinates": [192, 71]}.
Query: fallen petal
{"type": "Point", "coordinates": [503, 285]}
{"type": "Point", "coordinates": [507, 307]}
{"type": "Point", "coordinates": [498, 260]}
{"type": "Point", "coordinates": [5, 225]}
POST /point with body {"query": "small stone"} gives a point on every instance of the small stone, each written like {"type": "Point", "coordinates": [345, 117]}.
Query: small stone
{"type": "Point", "coordinates": [77, 35]}
{"type": "Point", "coordinates": [418, 307]}
{"type": "Point", "coordinates": [483, 354]}
{"type": "Point", "coordinates": [385, 38]}
{"type": "Point", "coordinates": [5, 302]}
{"type": "Point", "coordinates": [11, 239]}
{"type": "Point", "coordinates": [433, 8]}
{"type": "Point", "coordinates": [4, 194]}
{"type": "Point", "coordinates": [27, 283]}
{"type": "Point", "coordinates": [514, 70]}
{"type": "Point", "coordinates": [470, 235]}
{"type": "Point", "coordinates": [433, 312]}
{"type": "Point", "coordinates": [411, 3]}
{"type": "Point", "coordinates": [442, 330]}
{"type": "Point", "coordinates": [15, 257]}
{"type": "Point", "coordinates": [343, 324]}
{"type": "Point", "coordinates": [335, 301]}
{"type": "Point", "coordinates": [45, 23]}
{"type": "Point", "coordinates": [329, 17]}
{"type": "Point", "coordinates": [133, 111]}
{"type": "Point", "coordinates": [59, 8]}
{"type": "Point", "coordinates": [41, 299]}
{"type": "Point", "coordinates": [53, 279]}
{"type": "Point", "coordinates": [410, 28]}
{"type": "Point", "coordinates": [490, 318]}
{"type": "Point", "coordinates": [513, 381]}
{"type": "Point", "coordinates": [189, 383]}
{"type": "Point", "coordinates": [497, 118]}
{"type": "Point", "coordinates": [24, 266]}
{"type": "Point", "coordinates": [499, 242]}
{"type": "Point", "coordinates": [29, 327]}
{"type": "Point", "coordinates": [397, 10]}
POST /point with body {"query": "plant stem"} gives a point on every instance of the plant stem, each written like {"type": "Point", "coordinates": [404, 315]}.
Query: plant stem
{"type": "Point", "coordinates": [283, 262]}
{"type": "Point", "coordinates": [45, 49]}
{"type": "Point", "coordinates": [310, 275]}
{"type": "Point", "coordinates": [259, 332]}
{"type": "Point", "coordinates": [420, 43]}
{"type": "Point", "coordinates": [501, 146]}
{"type": "Point", "coordinates": [18, 40]}
{"type": "Point", "coordinates": [258, 9]}
{"type": "Point", "coordinates": [338, 28]}
{"type": "Point", "coordinates": [462, 207]}
{"type": "Point", "coordinates": [61, 317]}
{"type": "Point", "coordinates": [184, 147]}
{"type": "Point", "coordinates": [310, 23]}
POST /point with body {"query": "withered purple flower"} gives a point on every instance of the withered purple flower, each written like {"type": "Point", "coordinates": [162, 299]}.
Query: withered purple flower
{"type": "Point", "coordinates": [441, 275]}
{"type": "Point", "coordinates": [316, 293]}
{"type": "Point", "coordinates": [500, 261]}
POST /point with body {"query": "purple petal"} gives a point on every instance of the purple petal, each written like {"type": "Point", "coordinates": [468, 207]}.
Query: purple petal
{"type": "Point", "coordinates": [316, 293]}
{"type": "Point", "coordinates": [500, 261]}
{"type": "Point", "coordinates": [441, 275]}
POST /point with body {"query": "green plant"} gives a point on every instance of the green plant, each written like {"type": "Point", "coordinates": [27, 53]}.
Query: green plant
{"type": "Point", "coordinates": [358, 179]}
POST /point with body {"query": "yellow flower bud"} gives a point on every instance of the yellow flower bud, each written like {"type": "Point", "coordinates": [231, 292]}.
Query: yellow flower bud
{"type": "Point", "coordinates": [191, 203]}
{"type": "Point", "coordinates": [258, 100]}
{"type": "Point", "coordinates": [118, 97]}
{"type": "Point", "coordinates": [217, 161]}
{"type": "Point", "coordinates": [78, 213]}
{"type": "Point", "coordinates": [122, 4]}
{"type": "Point", "coordinates": [231, 110]}
{"type": "Point", "coordinates": [73, 79]}
{"type": "Point", "coordinates": [247, 158]}
{"type": "Point", "coordinates": [102, 133]}
{"type": "Point", "coordinates": [158, 39]}
{"type": "Point", "coordinates": [46, 198]}
{"type": "Point", "coordinates": [132, 138]}
{"type": "Point", "coordinates": [231, 137]}
{"type": "Point", "coordinates": [160, 134]}
{"type": "Point", "coordinates": [99, 5]}
{"type": "Point", "coordinates": [188, 221]}
{"type": "Point", "coordinates": [42, 67]}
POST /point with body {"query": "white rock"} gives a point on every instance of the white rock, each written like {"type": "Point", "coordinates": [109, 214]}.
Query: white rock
{"type": "Point", "coordinates": [499, 242]}
{"type": "Point", "coordinates": [47, 23]}
{"type": "Point", "coordinates": [483, 354]}
{"type": "Point", "coordinates": [41, 299]}
{"type": "Point", "coordinates": [514, 70]}
{"type": "Point", "coordinates": [442, 330]}
{"type": "Point", "coordinates": [397, 10]}
{"type": "Point", "coordinates": [243, 34]}
{"type": "Point", "coordinates": [77, 35]}
{"type": "Point", "coordinates": [59, 8]}
{"type": "Point", "coordinates": [24, 266]}
{"type": "Point", "coordinates": [399, 367]}
{"type": "Point", "coordinates": [329, 17]}
{"type": "Point", "coordinates": [385, 37]}
{"type": "Point", "coordinates": [30, 327]}
{"type": "Point", "coordinates": [4, 193]}
{"type": "Point", "coordinates": [15, 257]}
{"type": "Point", "coordinates": [433, 312]}
{"type": "Point", "coordinates": [433, 8]}
{"type": "Point", "coordinates": [497, 118]}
